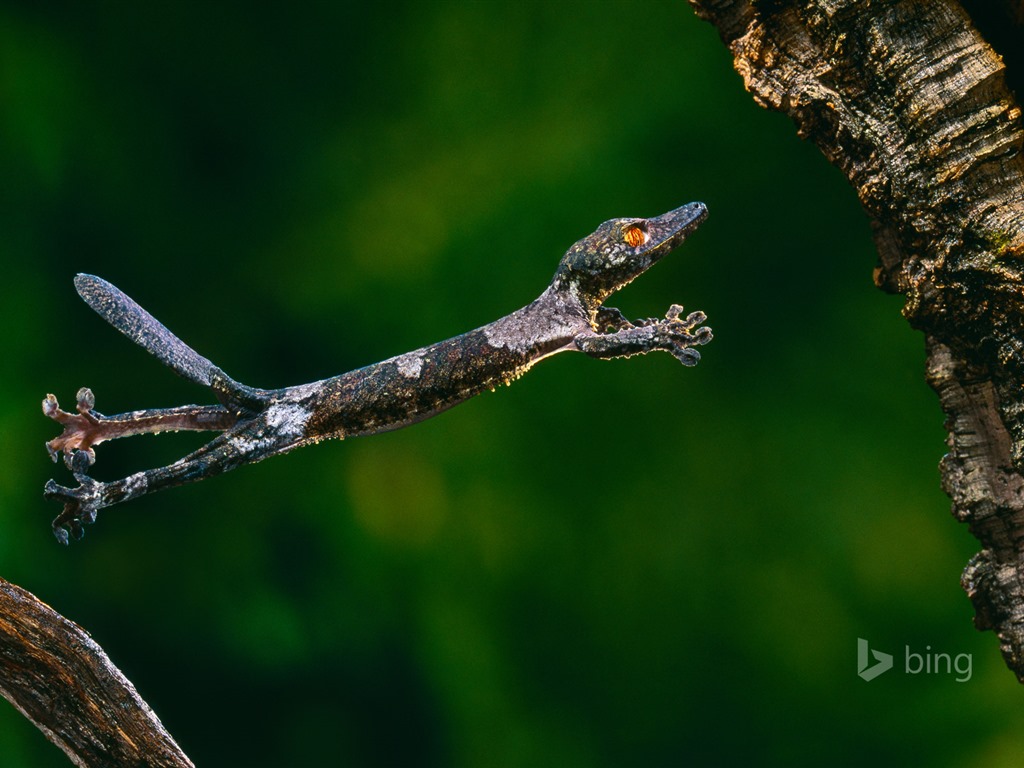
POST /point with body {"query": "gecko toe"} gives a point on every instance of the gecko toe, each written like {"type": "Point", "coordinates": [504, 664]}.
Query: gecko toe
{"type": "Point", "coordinates": [80, 461]}
{"type": "Point", "coordinates": [53, 491]}
{"type": "Point", "coordinates": [50, 406]}
{"type": "Point", "coordinates": [77, 531]}
{"type": "Point", "coordinates": [695, 318]}
{"type": "Point", "coordinates": [85, 400]}
{"type": "Point", "coordinates": [674, 312]}
{"type": "Point", "coordinates": [687, 356]}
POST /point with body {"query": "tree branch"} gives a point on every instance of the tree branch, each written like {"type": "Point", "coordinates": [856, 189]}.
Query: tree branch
{"type": "Point", "coordinates": [912, 104]}
{"type": "Point", "coordinates": [61, 680]}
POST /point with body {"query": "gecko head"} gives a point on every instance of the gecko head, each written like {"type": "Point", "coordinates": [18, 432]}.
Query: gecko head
{"type": "Point", "coordinates": [620, 250]}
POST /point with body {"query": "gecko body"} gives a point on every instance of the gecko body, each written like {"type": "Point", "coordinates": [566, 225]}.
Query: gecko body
{"type": "Point", "coordinates": [256, 424]}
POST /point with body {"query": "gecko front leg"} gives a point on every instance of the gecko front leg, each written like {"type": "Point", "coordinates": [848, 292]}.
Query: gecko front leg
{"type": "Point", "coordinates": [673, 334]}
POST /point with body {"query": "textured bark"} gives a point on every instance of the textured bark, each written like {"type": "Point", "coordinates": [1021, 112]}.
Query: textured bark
{"type": "Point", "coordinates": [60, 679]}
{"type": "Point", "coordinates": [913, 105]}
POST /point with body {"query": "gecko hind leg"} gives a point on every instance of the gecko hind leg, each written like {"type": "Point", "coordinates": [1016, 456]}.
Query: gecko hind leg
{"type": "Point", "coordinates": [82, 503]}
{"type": "Point", "coordinates": [245, 441]}
{"type": "Point", "coordinates": [88, 427]}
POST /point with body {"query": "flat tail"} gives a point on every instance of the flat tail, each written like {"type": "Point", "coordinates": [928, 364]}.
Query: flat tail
{"type": "Point", "coordinates": [125, 314]}
{"type": "Point", "coordinates": [122, 312]}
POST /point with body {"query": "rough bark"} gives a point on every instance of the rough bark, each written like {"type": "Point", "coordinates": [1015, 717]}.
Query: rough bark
{"type": "Point", "coordinates": [913, 105]}
{"type": "Point", "coordinates": [61, 680]}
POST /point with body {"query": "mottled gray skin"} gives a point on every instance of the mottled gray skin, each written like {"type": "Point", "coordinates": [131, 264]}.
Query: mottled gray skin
{"type": "Point", "coordinates": [257, 423]}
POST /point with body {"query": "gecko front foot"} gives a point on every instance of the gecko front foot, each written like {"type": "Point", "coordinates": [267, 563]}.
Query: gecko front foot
{"type": "Point", "coordinates": [80, 505]}
{"type": "Point", "coordinates": [679, 336]}
{"type": "Point", "coordinates": [672, 333]}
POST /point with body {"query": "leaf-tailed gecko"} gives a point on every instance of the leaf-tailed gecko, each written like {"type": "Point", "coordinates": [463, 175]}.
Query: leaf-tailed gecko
{"type": "Point", "coordinates": [258, 423]}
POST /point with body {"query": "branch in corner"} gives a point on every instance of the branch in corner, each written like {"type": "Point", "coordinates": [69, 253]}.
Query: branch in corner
{"type": "Point", "coordinates": [60, 679]}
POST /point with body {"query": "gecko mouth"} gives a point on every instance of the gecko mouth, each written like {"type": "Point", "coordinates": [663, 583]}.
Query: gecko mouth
{"type": "Point", "coordinates": [669, 230]}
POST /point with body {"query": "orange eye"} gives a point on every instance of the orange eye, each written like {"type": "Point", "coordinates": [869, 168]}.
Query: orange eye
{"type": "Point", "coordinates": [634, 236]}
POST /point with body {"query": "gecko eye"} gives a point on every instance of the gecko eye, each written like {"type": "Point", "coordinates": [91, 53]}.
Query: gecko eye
{"type": "Point", "coordinates": [635, 237]}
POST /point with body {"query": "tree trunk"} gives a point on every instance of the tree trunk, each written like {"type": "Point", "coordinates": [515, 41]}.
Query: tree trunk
{"type": "Point", "coordinates": [60, 679]}
{"type": "Point", "coordinates": [914, 106]}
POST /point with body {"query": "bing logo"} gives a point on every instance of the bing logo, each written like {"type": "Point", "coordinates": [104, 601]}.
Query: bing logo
{"type": "Point", "coordinates": [927, 663]}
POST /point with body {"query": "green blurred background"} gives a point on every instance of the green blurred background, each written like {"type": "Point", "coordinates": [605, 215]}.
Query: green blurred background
{"type": "Point", "coordinates": [607, 564]}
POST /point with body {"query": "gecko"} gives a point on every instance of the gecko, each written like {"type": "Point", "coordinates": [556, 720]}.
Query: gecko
{"type": "Point", "coordinates": [255, 424]}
